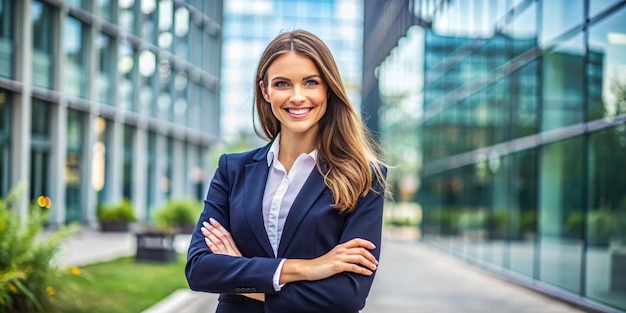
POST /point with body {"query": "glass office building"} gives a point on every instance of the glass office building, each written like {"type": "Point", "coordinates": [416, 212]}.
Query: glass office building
{"type": "Point", "coordinates": [511, 114]}
{"type": "Point", "coordinates": [249, 25]}
{"type": "Point", "coordinates": [108, 99]}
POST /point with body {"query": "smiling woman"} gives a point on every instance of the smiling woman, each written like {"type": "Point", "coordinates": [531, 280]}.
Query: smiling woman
{"type": "Point", "coordinates": [296, 93]}
{"type": "Point", "coordinates": [294, 226]}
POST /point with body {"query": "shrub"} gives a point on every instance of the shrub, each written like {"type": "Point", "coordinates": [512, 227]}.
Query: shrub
{"type": "Point", "coordinates": [28, 280]}
{"type": "Point", "coordinates": [180, 214]}
{"type": "Point", "coordinates": [120, 212]}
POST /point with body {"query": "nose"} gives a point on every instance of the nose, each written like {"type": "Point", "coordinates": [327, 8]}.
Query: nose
{"type": "Point", "coordinates": [297, 96]}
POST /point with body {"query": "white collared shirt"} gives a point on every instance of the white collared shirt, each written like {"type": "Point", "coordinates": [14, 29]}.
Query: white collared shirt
{"type": "Point", "coordinates": [281, 190]}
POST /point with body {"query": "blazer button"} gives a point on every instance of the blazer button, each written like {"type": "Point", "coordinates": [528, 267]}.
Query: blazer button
{"type": "Point", "coordinates": [238, 290]}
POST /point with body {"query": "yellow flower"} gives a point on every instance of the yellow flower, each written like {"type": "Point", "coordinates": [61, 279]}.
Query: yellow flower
{"type": "Point", "coordinates": [41, 201]}
{"type": "Point", "coordinates": [12, 288]}
{"type": "Point", "coordinates": [50, 290]}
{"type": "Point", "coordinates": [75, 270]}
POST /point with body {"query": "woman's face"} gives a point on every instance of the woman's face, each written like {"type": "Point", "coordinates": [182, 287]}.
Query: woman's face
{"type": "Point", "coordinates": [296, 93]}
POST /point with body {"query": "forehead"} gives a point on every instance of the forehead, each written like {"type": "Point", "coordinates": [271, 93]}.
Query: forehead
{"type": "Point", "coordinates": [292, 64]}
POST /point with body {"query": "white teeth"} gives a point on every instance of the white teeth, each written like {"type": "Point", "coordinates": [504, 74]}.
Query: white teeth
{"type": "Point", "coordinates": [298, 111]}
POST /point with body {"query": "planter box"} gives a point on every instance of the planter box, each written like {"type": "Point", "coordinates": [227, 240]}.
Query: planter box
{"type": "Point", "coordinates": [155, 247]}
{"type": "Point", "coordinates": [186, 228]}
{"type": "Point", "coordinates": [114, 226]}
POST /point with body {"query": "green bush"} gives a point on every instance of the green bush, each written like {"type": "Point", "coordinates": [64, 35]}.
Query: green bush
{"type": "Point", "coordinates": [178, 214]}
{"type": "Point", "coordinates": [120, 212]}
{"type": "Point", "coordinates": [28, 280]}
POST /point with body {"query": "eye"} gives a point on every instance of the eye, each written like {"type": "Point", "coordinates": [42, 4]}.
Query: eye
{"type": "Point", "coordinates": [281, 84]}
{"type": "Point", "coordinates": [311, 82]}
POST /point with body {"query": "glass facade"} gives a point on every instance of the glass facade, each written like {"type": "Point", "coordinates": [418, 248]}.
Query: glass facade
{"type": "Point", "coordinates": [511, 117]}
{"type": "Point", "coordinates": [108, 79]}
{"type": "Point", "coordinates": [249, 25]}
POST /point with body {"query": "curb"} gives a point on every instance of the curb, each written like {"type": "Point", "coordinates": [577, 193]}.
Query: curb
{"type": "Point", "coordinates": [185, 301]}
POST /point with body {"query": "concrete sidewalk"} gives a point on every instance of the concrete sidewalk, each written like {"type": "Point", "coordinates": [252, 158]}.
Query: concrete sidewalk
{"type": "Point", "coordinates": [412, 277]}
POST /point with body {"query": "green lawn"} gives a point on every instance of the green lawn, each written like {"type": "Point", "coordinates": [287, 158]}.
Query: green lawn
{"type": "Point", "coordinates": [123, 285]}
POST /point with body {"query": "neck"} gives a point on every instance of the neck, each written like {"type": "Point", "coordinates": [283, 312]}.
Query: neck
{"type": "Point", "coordinates": [292, 145]}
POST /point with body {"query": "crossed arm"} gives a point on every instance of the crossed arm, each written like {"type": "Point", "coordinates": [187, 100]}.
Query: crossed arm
{"type": "Point", "coordinates": [352, 256]}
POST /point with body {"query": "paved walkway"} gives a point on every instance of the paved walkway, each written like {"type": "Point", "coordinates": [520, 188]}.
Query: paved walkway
{"type": "Point", "coordinates": [412, 277]}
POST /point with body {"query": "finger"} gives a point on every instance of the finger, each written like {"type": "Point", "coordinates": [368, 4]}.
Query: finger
{"type": "Point", "coordinates": [364, 253]}
{"type": "Point", "coordinates": [359, 270]}
{"type": "Point", "coordinates": [359, 260]}
{"type": "Point", "coordinates": [205, 232]}
{"type": "Point", "coordinates": [219, 227]}
{"type": "Point", "coordinates": [227, 241]}
{"type": "Point", "coordinates": [211, 246]}
{"type": "Point", "coordinates": [217, 242]}
{"type": "Point", "coordinates": [359, 242]}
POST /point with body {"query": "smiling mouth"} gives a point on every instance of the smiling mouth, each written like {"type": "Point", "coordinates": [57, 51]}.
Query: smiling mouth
{"type": "Point", "coordinates": [299, 111]}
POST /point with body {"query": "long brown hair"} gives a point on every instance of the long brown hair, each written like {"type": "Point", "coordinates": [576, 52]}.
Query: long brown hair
{"type": "Point", "coordinates": [346, 153]}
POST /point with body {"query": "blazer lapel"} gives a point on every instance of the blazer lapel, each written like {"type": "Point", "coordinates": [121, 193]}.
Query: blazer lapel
{"type": "Point", "coordinates": [254, 187]}
{"type": "Point", "coordinates": [310, 192]}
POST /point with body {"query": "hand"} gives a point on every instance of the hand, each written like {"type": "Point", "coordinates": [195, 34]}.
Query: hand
{"type": "Point", "coordinates": [351, 256]}
{"type": "Point", "coordinates": [218, 239]}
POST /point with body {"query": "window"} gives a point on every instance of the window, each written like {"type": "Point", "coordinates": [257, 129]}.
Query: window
{"type": "Point", "coordinates": [40, 165]}
{"type": "Point", "coordinates": [560, 213]}
{"type": "Point", "coordinates": [126, 69]}
{"type": "Point", "coordinates": [6, 38]}
{"type": "Point", "coordinates": [605, 70]}
{"type": "Point", "coordinates": [76, 68]}
{"type": "Point", "coordinates": [106, 66]}
{"type": "Point", "coordinates": [128, 164]}
{"type": "Point", "coordinates": [43, 42]}
{"type": "Point", "coordinates": [73, 170]}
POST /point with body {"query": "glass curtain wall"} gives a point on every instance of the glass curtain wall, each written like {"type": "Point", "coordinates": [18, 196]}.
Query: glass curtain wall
{"type": "Point", "coordinates": [514, 127]}
{"type": "Point", "coordinates": [136, 57]}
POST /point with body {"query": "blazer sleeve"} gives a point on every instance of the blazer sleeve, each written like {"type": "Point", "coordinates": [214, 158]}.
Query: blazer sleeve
{"type": "Point", "coordinates": [343, 292]}
{"type": "Point", "coordinates": [218, 273]}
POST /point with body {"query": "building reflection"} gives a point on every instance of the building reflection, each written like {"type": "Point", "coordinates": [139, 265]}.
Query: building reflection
{"type": "Point", "coordinates": [511, 116]}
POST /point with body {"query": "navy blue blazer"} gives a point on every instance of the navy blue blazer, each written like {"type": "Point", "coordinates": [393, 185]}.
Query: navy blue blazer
{"type": "Point", "coordinates": [312, 228]}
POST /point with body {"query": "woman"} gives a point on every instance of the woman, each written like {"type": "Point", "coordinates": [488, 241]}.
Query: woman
{"type": "Point", "coordinates": [294, 226]}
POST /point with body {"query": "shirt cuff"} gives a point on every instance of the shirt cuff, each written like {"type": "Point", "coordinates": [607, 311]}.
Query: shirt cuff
{"type": "Point", "coordinates": [276, 280]}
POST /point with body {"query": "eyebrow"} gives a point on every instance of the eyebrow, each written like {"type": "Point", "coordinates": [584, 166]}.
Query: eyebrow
{"type": "Point", "coordinates": [305, 78]}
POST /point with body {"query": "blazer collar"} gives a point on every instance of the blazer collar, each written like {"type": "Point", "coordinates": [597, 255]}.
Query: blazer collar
{"type": "Point", "coordinates": [255, 178]}
{"type": "Point", "coordinates": [254, 187]}
{"type": "Point", "coordinates": [310, 192]}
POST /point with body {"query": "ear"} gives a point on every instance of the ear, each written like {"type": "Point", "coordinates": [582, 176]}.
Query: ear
{"type": "Point", "coordinates": [264, 91]}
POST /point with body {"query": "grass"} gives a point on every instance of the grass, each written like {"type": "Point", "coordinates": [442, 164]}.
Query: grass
{"type": "Point", "coordinates": [123, 285]}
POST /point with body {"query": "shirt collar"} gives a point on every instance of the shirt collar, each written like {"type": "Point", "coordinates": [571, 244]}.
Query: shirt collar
{"type": "Point", "coordinates": [272, 154]}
